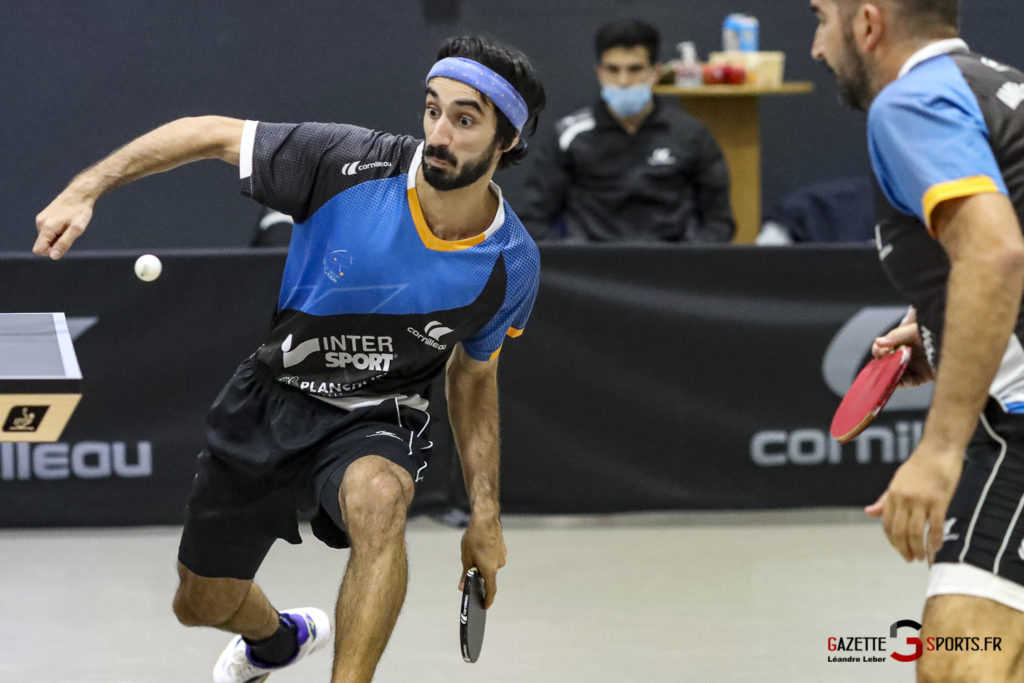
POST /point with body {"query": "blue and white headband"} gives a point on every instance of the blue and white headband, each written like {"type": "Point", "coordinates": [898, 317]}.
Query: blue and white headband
{"type": "Point", "coordinates": [474, 74]}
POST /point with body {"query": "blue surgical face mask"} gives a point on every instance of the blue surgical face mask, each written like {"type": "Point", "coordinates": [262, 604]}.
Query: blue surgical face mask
{"type": "Point", "coordinates": [626, 100]}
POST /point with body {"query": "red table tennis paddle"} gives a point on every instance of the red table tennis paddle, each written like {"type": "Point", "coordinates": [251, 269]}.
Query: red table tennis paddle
{"type": "Point", "coordinates": [869, 393]}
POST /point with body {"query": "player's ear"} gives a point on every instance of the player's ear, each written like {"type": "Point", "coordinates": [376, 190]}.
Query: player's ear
{"type": "Point", "coordinates": [512, 145]}
{"type": "Point", "coordinates": [869, 25]}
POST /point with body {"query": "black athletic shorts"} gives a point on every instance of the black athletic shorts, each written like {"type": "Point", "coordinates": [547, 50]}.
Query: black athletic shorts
{"type": "Point", "coordinates": [983, 549]}
{"type": "Point", "coordinates": [271, 452]}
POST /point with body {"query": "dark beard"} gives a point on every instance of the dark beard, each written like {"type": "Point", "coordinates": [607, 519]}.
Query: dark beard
{"type": "Point", "coordinates": [441, 179]}
{"type": "Point", "coordinates": [854, 83]}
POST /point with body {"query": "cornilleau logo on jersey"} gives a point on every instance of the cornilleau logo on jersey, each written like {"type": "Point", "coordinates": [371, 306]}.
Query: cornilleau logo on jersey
{"type": "Point", "coordinates": [431, 335]}
{"type": "Point", "coordinates": [1011, 94]}
{"type": "Point", "coordinates": [436, 330]}
{"type": "Point", "coordinates": [354, 167]}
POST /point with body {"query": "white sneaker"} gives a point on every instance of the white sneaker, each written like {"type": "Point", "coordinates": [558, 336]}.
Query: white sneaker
{"type": "Point", "coordinates": [235, 666]}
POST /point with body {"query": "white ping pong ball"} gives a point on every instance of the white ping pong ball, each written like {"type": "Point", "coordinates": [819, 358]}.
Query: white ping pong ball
{"type": "Point", "coordinates": [148, 267]}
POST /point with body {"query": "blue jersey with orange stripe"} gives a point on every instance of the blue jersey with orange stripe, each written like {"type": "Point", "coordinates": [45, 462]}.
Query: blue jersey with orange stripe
{"type": "Point", "coordinates": [951, 126]}
{"type": "Point", "coordinates": [929, 140]}
{"type": "Point", "coordinates": [372, 303]}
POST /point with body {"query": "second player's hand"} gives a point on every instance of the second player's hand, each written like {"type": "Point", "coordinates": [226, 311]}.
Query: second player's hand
{"type": "Point", "coordinates": [919, 493]}
{"type": "Point", "coordinates": [61, 223]}
{"type": "Point", "coordinates": [919, 371]}
{"type": "Point", "coordinates": [483, 547]}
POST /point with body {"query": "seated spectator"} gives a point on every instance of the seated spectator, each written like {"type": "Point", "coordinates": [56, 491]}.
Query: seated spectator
{"type": "Point", "coordinates": [629, 166]}
{"type": "Point", "coordinates": [831, 211]}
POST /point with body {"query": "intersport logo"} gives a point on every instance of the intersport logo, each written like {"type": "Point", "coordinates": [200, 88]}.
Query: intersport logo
{"type": "Point", "coordinates": [363, 352]}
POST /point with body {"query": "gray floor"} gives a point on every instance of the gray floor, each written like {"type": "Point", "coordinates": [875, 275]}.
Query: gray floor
{"type": "Point", "coordinates": [646, 598]}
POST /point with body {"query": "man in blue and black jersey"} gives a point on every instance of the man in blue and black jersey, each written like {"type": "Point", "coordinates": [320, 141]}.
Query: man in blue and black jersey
{"type": "Point", "coordinates": [946, 138]}
{"type": "Point", "coordinates": [404, 262]}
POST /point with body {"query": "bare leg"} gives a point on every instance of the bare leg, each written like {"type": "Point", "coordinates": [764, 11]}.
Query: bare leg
{"type": "Point", "coordinates": [234, 605]}
{"type": "Point", "coordinates": [950, 616]}
{"type": "Point", "coordinates": [375, 494]}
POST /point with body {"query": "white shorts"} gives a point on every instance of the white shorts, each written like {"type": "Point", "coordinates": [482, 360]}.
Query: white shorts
{"type": "Point", "coordinates": [964, 579]}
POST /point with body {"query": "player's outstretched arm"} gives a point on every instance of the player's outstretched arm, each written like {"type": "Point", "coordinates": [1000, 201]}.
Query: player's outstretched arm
{"type": "Point", "coordinates": [173, 144]}
{"type": "Point", "coordinates": [472, 390]}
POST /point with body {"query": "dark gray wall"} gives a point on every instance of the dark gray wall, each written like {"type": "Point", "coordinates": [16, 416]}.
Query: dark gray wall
{"type": "Point", "coordinates": [77, 79]}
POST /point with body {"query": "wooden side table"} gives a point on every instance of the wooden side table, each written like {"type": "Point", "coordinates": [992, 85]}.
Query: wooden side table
{"type": "Point", "coordinates": [732, 115]}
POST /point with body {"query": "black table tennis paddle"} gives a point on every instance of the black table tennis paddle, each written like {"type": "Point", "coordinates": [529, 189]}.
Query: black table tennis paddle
{"type": "Point", "coordinates": [472, 616]}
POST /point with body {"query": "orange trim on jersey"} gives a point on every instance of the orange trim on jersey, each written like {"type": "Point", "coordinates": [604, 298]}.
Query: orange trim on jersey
{"type": "Point", "coordinates": [430, 240]}
{"type": "Point", "coordinates": [954, 189]}
{"type": "Point", "coordinates": [512, 332]}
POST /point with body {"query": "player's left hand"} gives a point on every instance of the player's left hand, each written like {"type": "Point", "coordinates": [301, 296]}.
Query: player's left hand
{"type": "Point", "coordinates": [483, 547]}
{"type": "Point", "coordinates": [919, 493]}
{"type": "Point", "coordinates": [919, 371]}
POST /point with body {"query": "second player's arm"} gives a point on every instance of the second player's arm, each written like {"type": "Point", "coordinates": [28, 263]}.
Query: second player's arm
{"type": "Point", "coordinates": [983, 239]}
{"type": "Point", "coordinates": [173, 144]}
{"type": "Point", "coordinates": [472, 391]}
{"type": "Point", "coordinates": [986, 252]}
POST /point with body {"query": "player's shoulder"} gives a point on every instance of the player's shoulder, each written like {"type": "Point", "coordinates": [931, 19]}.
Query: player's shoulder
{"type": "Point", "coordinates": [518, 247]}
{"type": "Point", "coordinates": [924, 86]}
{"type": "Point", "coordinates": [337, 129]}
{"type": "Point", "coordinates": [382, 147]}
{"type": "Point", "coordinates": [364, 145]}
{"type": "Point", "coordinates": [986, 72]}
{"type": "Point", "coordinates": [934, 89]}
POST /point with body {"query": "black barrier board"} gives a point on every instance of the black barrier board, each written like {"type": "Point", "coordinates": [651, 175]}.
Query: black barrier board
{"type": "Point", "coordinates": [652, 378]}
{"type": "Point", "coordinates": [153, 357]}
{"type": "Point", "coordinates": [649, 378]}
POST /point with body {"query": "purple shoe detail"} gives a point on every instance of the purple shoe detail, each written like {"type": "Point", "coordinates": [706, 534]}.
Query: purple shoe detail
{"type": "Point", "coordinates": [306, 628]}
{"type": "Point", "coordinates": [248, 654]}
{"type": "Point", "coordinates": [236, 663]}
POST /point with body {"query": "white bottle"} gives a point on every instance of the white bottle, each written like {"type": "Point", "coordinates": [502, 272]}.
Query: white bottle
{"type": "Point", "coordinates": [688, 70]}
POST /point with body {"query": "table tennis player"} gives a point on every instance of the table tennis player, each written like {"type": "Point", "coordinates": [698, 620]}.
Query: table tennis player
{"type": "Point", "coordinates": [404, 262]}
{"type": "Point", "coordinates": [944, 132]}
